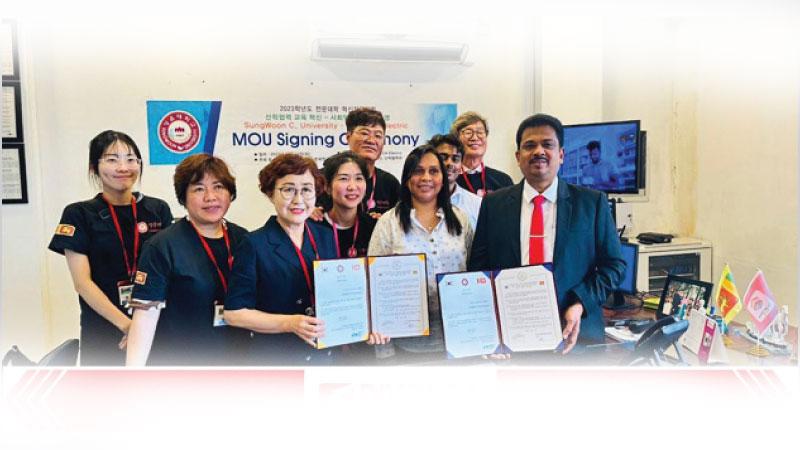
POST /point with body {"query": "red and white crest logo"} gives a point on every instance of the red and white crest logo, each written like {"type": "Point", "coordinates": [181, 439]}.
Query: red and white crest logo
{"type": "Point", "coordinates": [179, 132]}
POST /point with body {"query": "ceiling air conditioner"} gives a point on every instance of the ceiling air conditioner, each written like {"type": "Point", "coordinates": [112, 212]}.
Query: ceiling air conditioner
{"type": "Point", "coordinates": [388, 50]}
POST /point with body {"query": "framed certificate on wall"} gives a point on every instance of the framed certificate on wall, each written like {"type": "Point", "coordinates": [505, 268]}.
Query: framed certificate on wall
{"type": "Point", "coordinates": [12, 112]}
{"type": "Point", "coordinates": [15, 184]}
{"type": "Point", "coordinates": [9, 57]}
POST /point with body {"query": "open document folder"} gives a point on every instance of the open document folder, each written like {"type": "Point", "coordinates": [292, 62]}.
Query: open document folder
{"type": "Point", "coordinates": [511, 310]}
{"type": "Point", "coordinates": [382, 294]}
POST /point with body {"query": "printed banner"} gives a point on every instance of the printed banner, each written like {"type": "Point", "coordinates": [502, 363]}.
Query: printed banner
{"type": "Point", "coordinates": [177, 129]}
{"type": "Point", "coordinates": [319, 131]}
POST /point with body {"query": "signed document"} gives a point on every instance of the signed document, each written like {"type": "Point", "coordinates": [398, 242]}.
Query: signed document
{"type": "Point", "coordinates": [528, 309]}
{"type": "Point", "coordinates": [469, 316]}
{"type": "Point", "coordinates": [511, 310]}
{"type": "Point", "coordinates": [399, 295]}
{"type": "Point", "coordinates": [341, 301]}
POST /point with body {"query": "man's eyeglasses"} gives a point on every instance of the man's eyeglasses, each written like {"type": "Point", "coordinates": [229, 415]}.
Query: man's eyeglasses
{"type": "Point", "coordinates": [366, 134]}
{"type": "Point", "coordinates": [469, 132]}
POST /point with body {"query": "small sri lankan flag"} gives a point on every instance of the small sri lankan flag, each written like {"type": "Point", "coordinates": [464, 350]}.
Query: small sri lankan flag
{"type": "Point", "coordinates": [728, 302]}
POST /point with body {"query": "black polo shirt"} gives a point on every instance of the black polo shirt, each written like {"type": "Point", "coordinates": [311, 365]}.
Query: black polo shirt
{"type": "Point", "coordinates": [345, 236]}
{"type": "Point", "coordinates": [176, 269]}
{"type": "Point", "coordinates": [87, 228]}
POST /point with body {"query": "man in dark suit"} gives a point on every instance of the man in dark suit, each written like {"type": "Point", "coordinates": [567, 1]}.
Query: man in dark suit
{"type": "Point", "coordinates": [543, 219]}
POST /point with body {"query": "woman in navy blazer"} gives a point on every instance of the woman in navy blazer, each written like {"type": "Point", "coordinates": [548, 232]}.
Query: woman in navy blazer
{"type": "Point", "coordinates": [271, 284]}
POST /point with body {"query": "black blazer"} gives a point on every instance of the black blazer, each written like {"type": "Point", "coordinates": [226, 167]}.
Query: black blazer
{"type": "Point", "coordinates": [587, 260]}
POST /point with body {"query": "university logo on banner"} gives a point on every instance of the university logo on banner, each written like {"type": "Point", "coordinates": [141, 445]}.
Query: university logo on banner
{"type": "Point", "coordinates": [177, 129]}
{"type": "Point", "coordinates": [760, 303]}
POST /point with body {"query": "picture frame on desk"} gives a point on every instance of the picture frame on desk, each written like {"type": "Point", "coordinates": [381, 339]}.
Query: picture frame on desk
{"type": "Point", "coordinates": [681, 290]}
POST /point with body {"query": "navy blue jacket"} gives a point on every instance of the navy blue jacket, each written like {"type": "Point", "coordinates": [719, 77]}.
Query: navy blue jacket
{"type": "Point", "coordinates": [267, 276]}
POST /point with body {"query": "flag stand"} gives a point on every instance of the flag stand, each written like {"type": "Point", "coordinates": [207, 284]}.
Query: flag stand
{"type": "Point", "coordinates": [757, 350]}
{"type": "Point", "coordinates": [726, 313]}
{"type": "Point", "coordinates": [727, 340]}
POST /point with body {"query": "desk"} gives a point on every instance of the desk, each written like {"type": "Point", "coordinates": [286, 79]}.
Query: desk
{"type": "Point", "coordinates": [737, 351]}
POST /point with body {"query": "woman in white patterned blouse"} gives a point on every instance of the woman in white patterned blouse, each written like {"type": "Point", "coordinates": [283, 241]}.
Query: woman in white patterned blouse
{"type": "Point", "coordinates": [424, 221]}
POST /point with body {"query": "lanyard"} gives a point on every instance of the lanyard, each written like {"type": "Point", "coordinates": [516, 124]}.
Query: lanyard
{"type": "Point", "coordinates": [371, 201]}
{"type": "Point", "coordinates": [306, 272]}
{"type": "Point", "coordinates": [483, 181]}
{"type": "Point", "coordinates": [131, 268]}
{"type": "Point", "coordinates": [211, 256]}
{"type": "Point", "coordinates": [351, 252]}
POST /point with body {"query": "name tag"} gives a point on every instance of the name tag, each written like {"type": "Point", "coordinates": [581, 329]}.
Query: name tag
{"type": "Point", "coordinates": [125, 290]}
{"type": "Point", "coordinates": [219, 308]}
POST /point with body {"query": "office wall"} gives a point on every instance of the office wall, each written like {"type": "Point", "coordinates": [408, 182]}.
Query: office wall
{"type": "Point", "coordinates": [719, 99]}
{"type": "Point", "coordinates": [748, 85]}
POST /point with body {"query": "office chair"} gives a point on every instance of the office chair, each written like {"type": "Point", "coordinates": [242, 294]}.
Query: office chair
{"type": "Point", "coordinates": [65, 355]}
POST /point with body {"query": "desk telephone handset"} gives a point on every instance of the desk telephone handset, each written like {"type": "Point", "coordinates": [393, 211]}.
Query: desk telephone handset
{"type": "Point", "coordinates": [656, 340]}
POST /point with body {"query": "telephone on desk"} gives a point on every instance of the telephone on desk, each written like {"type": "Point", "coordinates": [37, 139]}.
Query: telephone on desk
{"type": "Point", "coordinates": [654, 238]}
{"type": "Point", "coordinates": [656, 340]}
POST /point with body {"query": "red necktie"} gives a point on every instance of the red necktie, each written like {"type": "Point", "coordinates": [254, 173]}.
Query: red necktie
{"type": "Point", "coordinates": [536, 250]}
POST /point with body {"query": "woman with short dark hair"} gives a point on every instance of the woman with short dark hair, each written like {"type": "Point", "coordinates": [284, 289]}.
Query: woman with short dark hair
{"type": "Point", "coordinates": [272, 286]}
{"type": "Point", "coordinates": [183, 276]}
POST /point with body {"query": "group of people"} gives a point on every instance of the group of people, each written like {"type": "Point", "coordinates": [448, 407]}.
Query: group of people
{"type": "Point", "coordinates": [205, 291]}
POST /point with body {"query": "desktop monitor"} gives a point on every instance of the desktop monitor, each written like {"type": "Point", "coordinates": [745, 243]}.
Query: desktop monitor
{"type": "Point", "coordinates": [630, 253]}
{"type": "Point", "coordinates": [604, 156]}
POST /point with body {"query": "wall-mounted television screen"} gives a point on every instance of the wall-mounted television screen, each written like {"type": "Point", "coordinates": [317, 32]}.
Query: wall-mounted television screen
{"type": "Point", "coordinates": [603, 156]}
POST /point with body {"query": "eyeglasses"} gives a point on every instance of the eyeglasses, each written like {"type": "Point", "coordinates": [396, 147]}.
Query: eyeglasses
{"type": "Point", "coordinates": [366, 133]}
{"type": "Point", "coordinates": [469, 132]}
{"type": "Point", "coordinates": [289, 192]}
{"type": "Point", "coordinates": [116, 160]}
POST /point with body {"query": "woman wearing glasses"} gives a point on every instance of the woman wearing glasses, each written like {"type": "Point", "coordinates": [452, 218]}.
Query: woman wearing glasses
{"type": "Point", "coordinates": [101, 239]}
{"type": "Point", "coordinates": [424, 221]}
{"type": "Point", "coordinates": [271, 285]}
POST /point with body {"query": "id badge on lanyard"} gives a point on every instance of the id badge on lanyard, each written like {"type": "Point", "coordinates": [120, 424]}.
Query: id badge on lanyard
{"type": "Point", "coordinates": [218, 319]}
{"type": "Point", "coordinates": [125, 289]}
{"type": "Point", "coordinates": [219, 309]}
